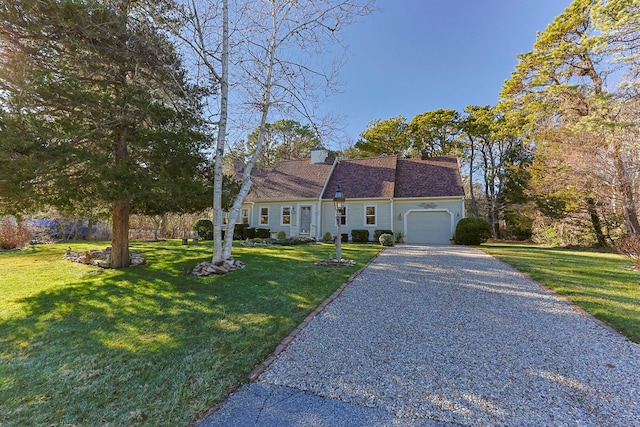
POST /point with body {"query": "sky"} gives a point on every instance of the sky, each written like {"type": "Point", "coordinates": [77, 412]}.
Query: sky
{"type": "Point", "coordinates": [413, 56]}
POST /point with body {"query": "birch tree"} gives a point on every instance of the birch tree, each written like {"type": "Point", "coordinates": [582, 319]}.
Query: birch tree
{"type": "Point", "coordinates": [261, 58]}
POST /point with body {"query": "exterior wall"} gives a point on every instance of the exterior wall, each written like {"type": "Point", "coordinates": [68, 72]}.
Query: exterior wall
{"type": "Point", "coordinates": [356, 216]}
{"type": "Point", "coordinates": [275, 223]}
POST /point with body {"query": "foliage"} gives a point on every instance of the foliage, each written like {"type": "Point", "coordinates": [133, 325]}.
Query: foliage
{"type": "Point", "coordinates": [326, 237]}
{"type": "Point", "coordinates": [263, 233]}
{"type": "Point", "coordinates": [360, 235]}
{"type": "Point", "coordinates": [82, 346]}
{"type": "Point", "coordinates": [13, 235]}
{"type": "Point", "coordinates": [239, 231]}
{"type": "Point", "coordinates": [204, 228]}
{"type": "Point", "coordinates": [387, 239]}
{"type": "Point", "coordinates": [384, 137]}
{"type": "Point", "coordinates": [281, 235]}
{"type": "Point", "coordinates": [472, 231]}
{"type": "Point", "coordinates": [96, 112]}
{"type": "Point", "coordinates": [593, 280]}
{"type": "Point", "coordinates": [630, 247]}
{"type": "Point", "coordinates": [378, 233]}
{"type": "Point", "coordinates": [249, 233]}
{"type": "Point", "coordinates": [399, 237]}
{"type": "Point", "coordinates": [435, 133]}
{"type": "Point", "coordinates": [283, 140]}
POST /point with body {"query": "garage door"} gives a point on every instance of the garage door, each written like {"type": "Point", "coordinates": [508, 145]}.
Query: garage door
{"type": "Point", "coordinates": [429, 227]}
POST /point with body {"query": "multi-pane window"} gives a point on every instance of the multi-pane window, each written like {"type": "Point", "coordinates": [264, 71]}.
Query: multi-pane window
{"type": "Point", "coordinates": [264, 215]}
{"type": "Point", "coordinates": [370, 215]}
{"type": "Point", "coordinates": [342, 215]}
{"type": "Point", "coordinates": [245, 216]}
{"type": "Point", "coordinates": [286, 215]}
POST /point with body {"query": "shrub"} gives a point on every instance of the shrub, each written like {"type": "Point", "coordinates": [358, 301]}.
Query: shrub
{"type": "Point", "coordinates": [360, 235]}
{"type": "Point", "coordinates": [345, 237]}
{"type": "Point", "coordinates": [630, 247]}
{"type": "Point", "coordinates": [204, 228]}
{"type": "Point", "coordinates": [378, 233]}
{"type": "Point", "coordinates": [13, 236]}
{"type": "Point", "coordinates": [472, 231]}
{"type": "Point", "coordinates": [387, 239]}
{"type": "Point", "coordinates": [248, 233]}
{"type": "Point", "coordinates": [292, 241]}
{"type": "Point", "coordinates": [281, 235]}
{"type": "Point", "coordinates": [327, 237]}
{"type": "Point", "coordinates": [238, 231]}
{"type": "Point", "coordinates": [263, 233]}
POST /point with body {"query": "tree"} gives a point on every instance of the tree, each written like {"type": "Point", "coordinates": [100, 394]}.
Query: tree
{"type": "Point", "coordinates": [435, 133]}
{"type": "Point", "coordinates": [384, 137]}
{"type": "Point", "coordinates": [270, 56]}
{"type": "Point", "coordinates": [284, 140]}
{"type": "Point", "coordinates": [96, 108]}
{"type": "Point", "coordinates": [575, 113]}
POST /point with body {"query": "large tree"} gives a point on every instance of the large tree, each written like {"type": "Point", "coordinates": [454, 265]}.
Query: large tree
{"type": "Point", "coordinates": [565, 89]}
{"type": "Point", "coordinates": [269, 52]}
{"type": "Point", "coordinates": [384, 137]}
{"type": "Point", "coordinates": [435, 133]}
{"type": "Point", "coordinates": [96, 109]}
{"type": "Point", "coordinates": [284, 139]}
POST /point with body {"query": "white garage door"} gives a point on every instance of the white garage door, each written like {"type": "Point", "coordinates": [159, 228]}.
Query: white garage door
{"type": "Point", "coordinates": [429, 227]}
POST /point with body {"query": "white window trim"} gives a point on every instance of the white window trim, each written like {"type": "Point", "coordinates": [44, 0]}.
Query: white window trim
{"type": "Point", "coordinates": [375, 216]}
{"type": "Point", "coordinates": [282, 216]}
{"type": "Point", "coordinates": [260, 216]}
{"type": "Point", "coordinates": [242, 216]}
{"type": "Point", "coordinates": [346, 221]}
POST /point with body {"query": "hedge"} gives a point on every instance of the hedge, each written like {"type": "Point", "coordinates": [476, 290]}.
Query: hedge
{"type": "Point", "coordinates": [378, 233]}
{"type": "Point", "coordinates": [472, 231]}
{"type": "Point", "coordinates": [360, 235]}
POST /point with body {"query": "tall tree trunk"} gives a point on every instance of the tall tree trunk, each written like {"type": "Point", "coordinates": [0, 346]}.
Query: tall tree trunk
{"type": "Point", "coordinates": [626, 191]}
{"type": "Point", "coordinates": [472, 194]}
{"type": "Point", "coordinates": [218, 216]}
{"type": "Point", "coordinates": [90, 228]}
{"type": "Point", "coordinates": [120, 234]}
{"type": "Point", "coordinates": [595, 222]}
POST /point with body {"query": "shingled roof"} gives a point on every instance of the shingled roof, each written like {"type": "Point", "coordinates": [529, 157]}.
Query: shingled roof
{"type": "Point", "coordinates": [434, 177]}
{"type": "Point", "coordinates": [290, 180]}
{"type": "Point", "coordinates": [373, 177]}
{"type": "Point", "coordinates": [364, 178]}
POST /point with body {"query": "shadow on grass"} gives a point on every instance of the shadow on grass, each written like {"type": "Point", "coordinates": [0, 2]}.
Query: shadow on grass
{"type": "Point", "coordinates": [596, 281]}
{"type": "Point", "coordinates": [151, 345]}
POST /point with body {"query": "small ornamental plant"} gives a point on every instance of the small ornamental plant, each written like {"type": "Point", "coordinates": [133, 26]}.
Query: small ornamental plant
{"type": "Point", "coordinates": [387, 240]}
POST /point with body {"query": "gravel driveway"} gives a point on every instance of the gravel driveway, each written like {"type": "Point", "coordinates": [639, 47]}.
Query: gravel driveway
{"type": "Point", "coordinates": [449, 334]}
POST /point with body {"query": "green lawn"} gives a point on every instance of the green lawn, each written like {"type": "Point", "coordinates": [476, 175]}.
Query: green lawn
{"type": "Point", "coordinates": [147, 345]}
{"type": "Point", "coordinates": [597, 282]}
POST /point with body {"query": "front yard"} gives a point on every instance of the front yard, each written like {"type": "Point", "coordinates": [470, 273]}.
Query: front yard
{"type": "Point", "coordinates": [147, 345]}
{"type": "Point", "coordinates": [600, 283]}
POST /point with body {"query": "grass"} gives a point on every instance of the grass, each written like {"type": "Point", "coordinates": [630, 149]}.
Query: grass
{"type": "Point", "coordinates": [147, 345]}
{"type": "Point", "coordinates": [600, 283]}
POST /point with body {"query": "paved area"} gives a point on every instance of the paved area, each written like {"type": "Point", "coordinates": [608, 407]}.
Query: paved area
{"type": "Point", "coordinates": [444, 336]}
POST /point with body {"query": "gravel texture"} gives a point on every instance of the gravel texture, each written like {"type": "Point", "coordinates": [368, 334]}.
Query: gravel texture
{"type": "Point", "coordinates": [450, 334]}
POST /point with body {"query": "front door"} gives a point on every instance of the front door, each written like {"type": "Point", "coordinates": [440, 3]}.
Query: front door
{"type": "Point", "coordinates": [305, 219]}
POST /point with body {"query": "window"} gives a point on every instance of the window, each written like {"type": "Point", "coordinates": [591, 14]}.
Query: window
{"type": "Point", "coordinates": [264, 215]}
{"type": "Point", "coordinates": [286, 215]}
{"type": "Point", "coordinates": [245, 216]}
{"type": "Point", "coordinates": [370, 215]}
{"type": "Point", "coordinates": [343, 216]}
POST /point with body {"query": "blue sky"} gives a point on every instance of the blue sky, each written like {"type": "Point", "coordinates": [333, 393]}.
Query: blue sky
{"type": "Point", "coordinates": [414, 56]}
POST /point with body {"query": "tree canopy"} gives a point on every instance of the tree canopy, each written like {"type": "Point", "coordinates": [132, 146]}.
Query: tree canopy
{"type": "Point", "coordinates": [96, 109]}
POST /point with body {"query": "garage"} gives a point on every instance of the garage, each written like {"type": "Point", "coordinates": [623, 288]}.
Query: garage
{"type": "Point", "coordinates": [433, 227]}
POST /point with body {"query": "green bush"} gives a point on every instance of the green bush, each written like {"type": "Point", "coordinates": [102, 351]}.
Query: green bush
{"type": "Point", "coordinates": [327, 237]}
{"type": "Point", "coordinates": [345, 237]}
{"type": "Point", "coordinates": [360, 235]}
{"type": "Point", "coordinates": [387, 239]}
{"type": "Point", "coordinates": [281, 235]}
{"type": "Point", "coordinates": [378, 233]}
{"type": "Point", "coordinates": [204, 228]}
{"type": "Point", "coordinates": [248, 233]}
{"type": "Point", "coordinates": [263, 233]}
{"type": "Point", "coordinates": [292, 241]}
{"type": "Point", "coordinates": [472, 231]}
{"type": "Point", "coordinates": [238, 231]}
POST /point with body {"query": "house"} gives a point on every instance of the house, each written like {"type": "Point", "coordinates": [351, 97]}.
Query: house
{"type": "Point", "coordinates": [421, 198]}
